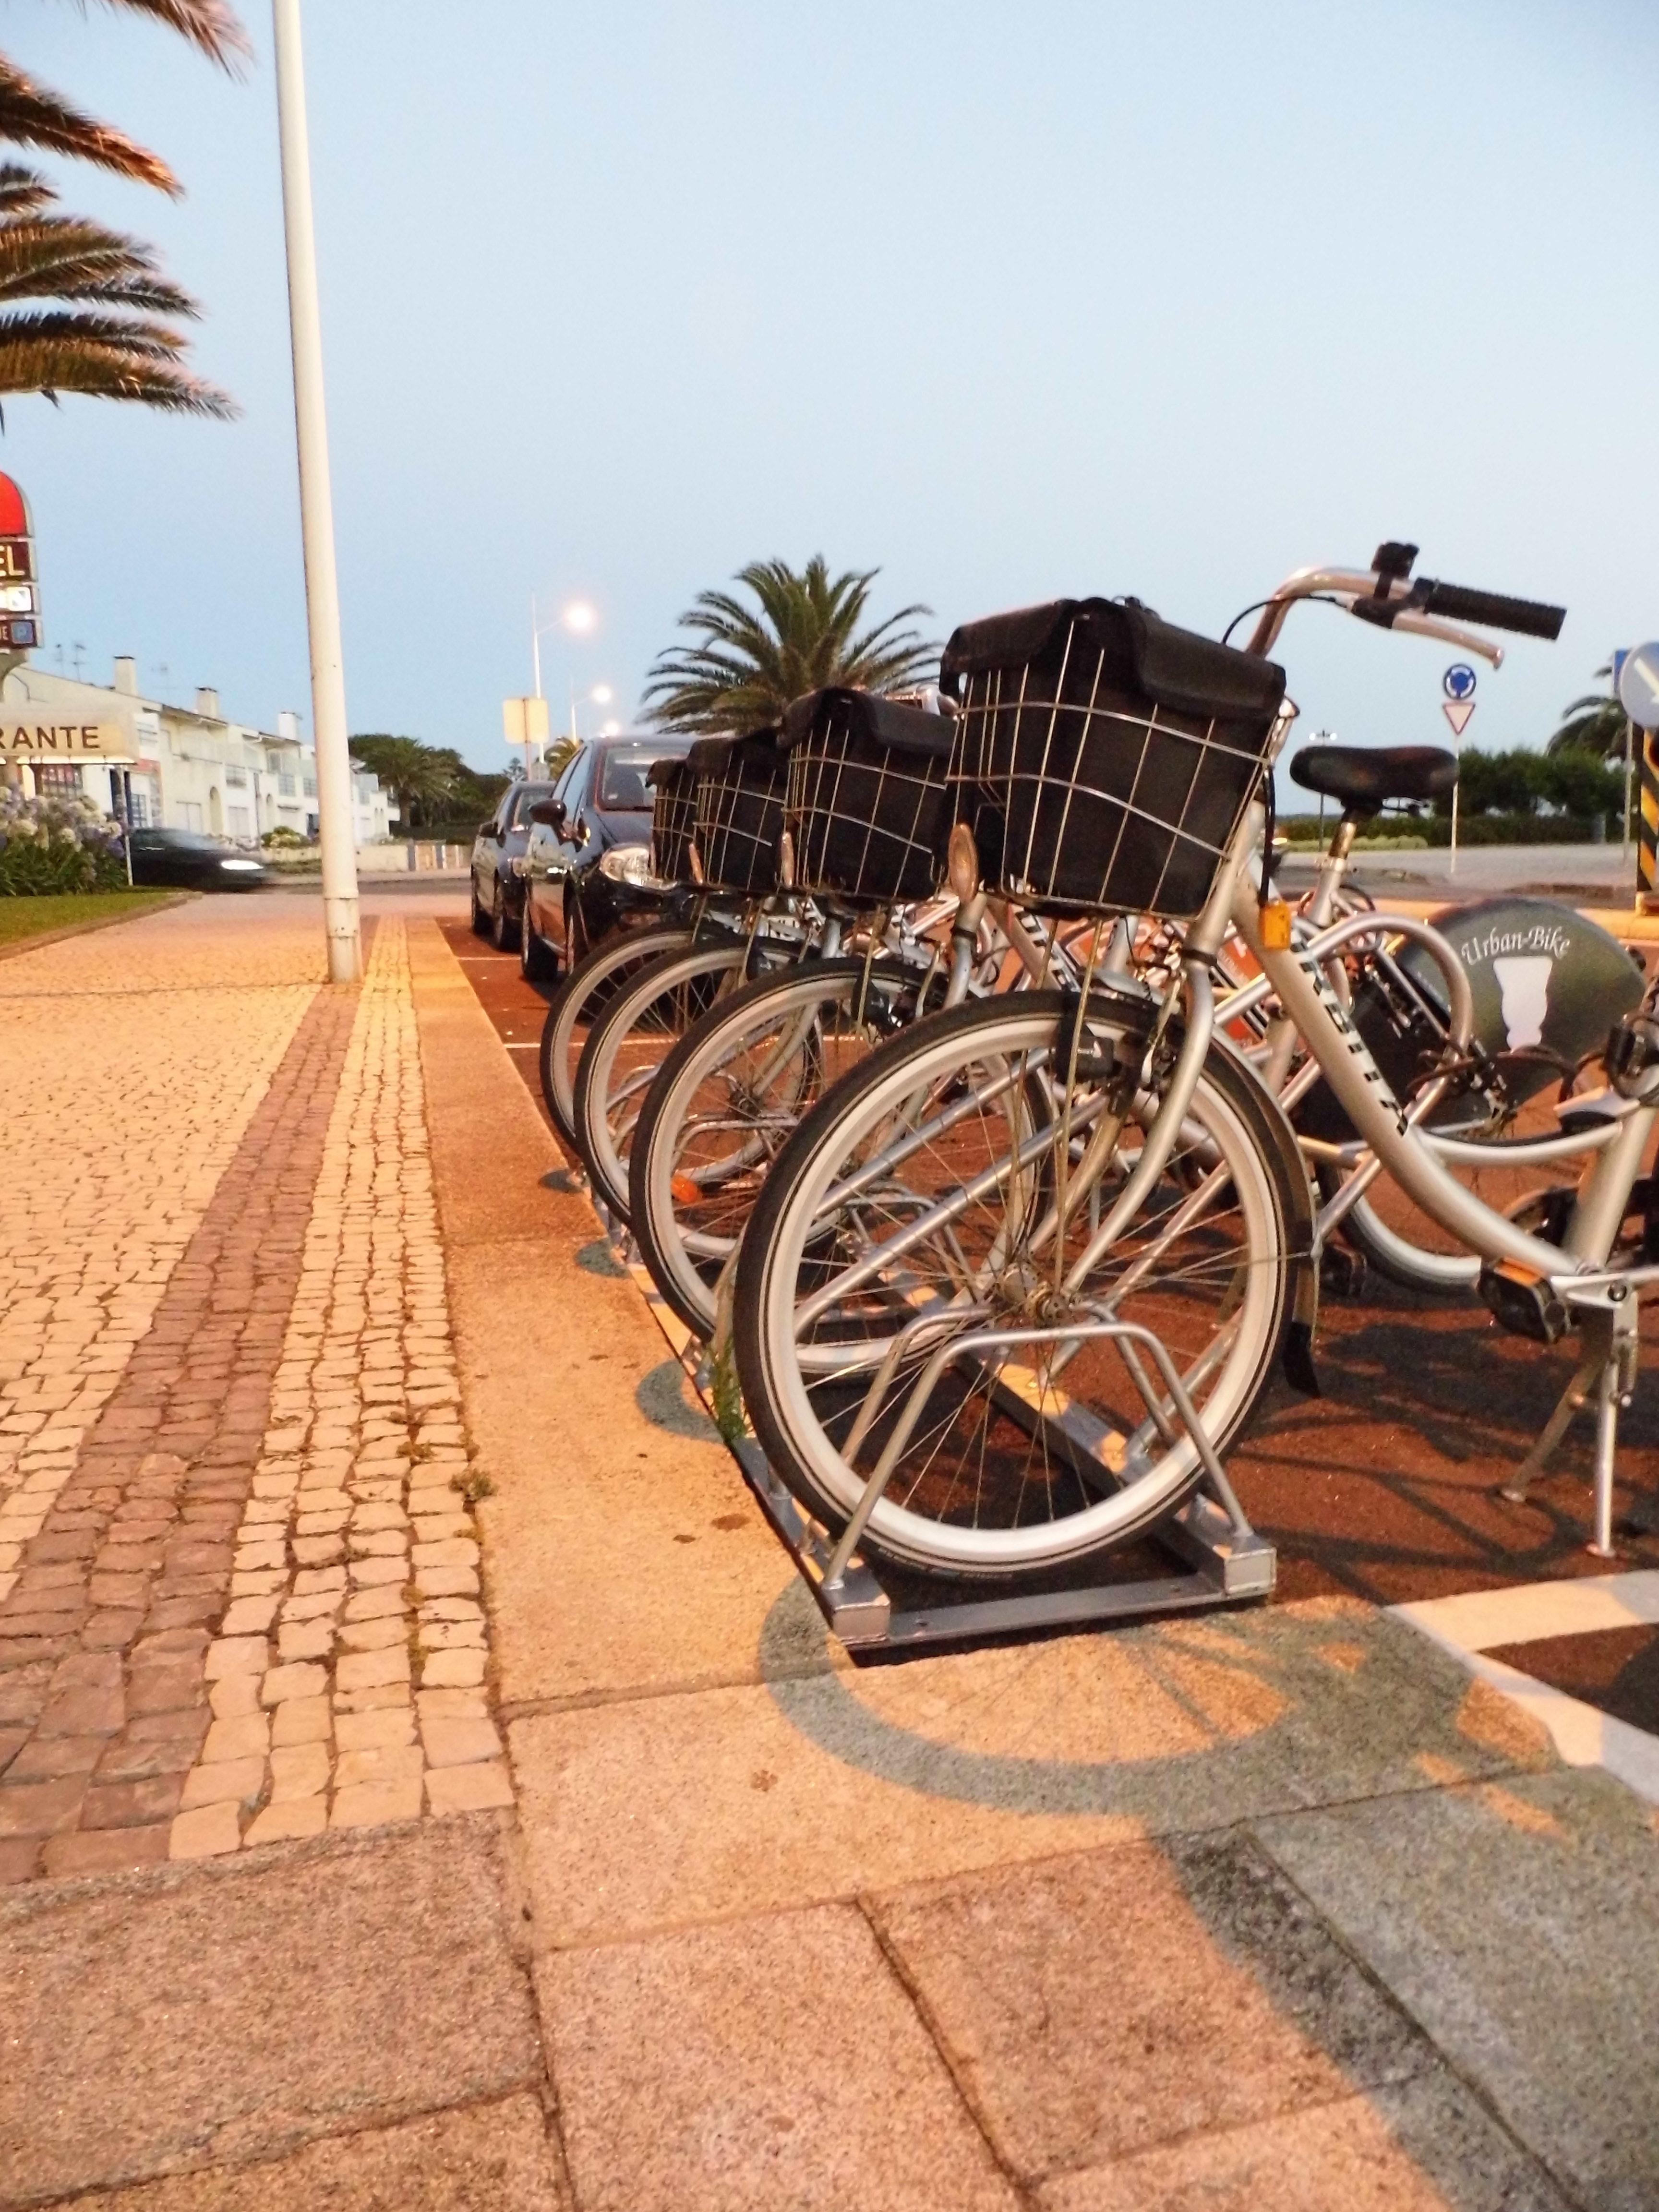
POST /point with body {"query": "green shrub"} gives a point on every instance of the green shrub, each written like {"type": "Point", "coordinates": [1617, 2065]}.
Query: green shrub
{"type": "Point", "coordinates": [55, 844]}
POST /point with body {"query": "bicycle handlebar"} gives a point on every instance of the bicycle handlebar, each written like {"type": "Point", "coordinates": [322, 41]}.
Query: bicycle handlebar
{"type": "Point", "coordinates": [1384, 598]}
{"type": "Point", "coordinates": [1493, 609]}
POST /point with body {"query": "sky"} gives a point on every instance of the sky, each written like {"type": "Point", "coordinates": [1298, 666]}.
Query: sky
{"type": "Point", "coordinates": [1006, 301]}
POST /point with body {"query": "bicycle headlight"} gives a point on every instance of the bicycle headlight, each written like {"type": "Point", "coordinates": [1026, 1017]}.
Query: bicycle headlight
{"type": "Point", "coordinates": [626, 864]}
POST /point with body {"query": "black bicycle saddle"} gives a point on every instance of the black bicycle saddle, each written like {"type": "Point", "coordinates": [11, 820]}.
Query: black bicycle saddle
{"type": "Point", "coordinates": [1362, 776]}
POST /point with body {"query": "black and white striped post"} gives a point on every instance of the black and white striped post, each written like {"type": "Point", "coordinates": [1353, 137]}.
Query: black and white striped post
{"type": "Point", "coordinates": [1635, 678]}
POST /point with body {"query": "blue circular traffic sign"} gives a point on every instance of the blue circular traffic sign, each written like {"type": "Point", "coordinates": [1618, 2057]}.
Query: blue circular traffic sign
{"type": "Point", "coordinates": [1458, 682]}
{"type": "Point", "coordinates": [1638, 686]}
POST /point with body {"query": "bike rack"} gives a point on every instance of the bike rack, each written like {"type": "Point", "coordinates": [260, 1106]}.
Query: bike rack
{"type": "Point", "coordinates": [1215, 1556]}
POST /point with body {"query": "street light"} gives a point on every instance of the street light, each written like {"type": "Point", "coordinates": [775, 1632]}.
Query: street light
{"type": "Point", "coordinates": [578, 616]}
{"type": "Point", "coordinates": [600, 696]}
{"type": "Point", "coordinates": [328, 711]}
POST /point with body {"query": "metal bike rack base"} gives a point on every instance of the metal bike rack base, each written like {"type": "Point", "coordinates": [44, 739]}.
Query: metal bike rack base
{"type": "Point", "coordinates": [1223, 1565]}
{"type": "Point", "coordinates": [1215, 1560]}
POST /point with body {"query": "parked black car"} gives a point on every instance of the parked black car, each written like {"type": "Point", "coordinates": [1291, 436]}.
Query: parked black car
{"type": "Point", "coordinates": [588, 868]}
{"type": "Point", "coordinates": [198, 862]}
{"type": "Point", "coordinates": [497, 885]}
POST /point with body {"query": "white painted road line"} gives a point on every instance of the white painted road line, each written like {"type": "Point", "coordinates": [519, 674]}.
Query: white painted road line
{"type": "Point", "coordinates": [1470, 1626]}
{"type": "Point", "coordinates": [1481, 1618]}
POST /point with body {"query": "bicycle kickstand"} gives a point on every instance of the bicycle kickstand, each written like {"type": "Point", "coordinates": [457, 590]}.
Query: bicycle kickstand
{"type": "Point", "coordinates": [1607, 1335]}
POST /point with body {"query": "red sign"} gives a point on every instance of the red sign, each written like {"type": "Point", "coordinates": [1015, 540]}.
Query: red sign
{"type": "Point", "coordinates": [19, 624]}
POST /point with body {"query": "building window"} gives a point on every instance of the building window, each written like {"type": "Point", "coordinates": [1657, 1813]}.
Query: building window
{"type": "Point", "coordinates": [192, 814]}
{"type": "Point", "coordinates": [285, 787]}
{"type": "Point", "coordinates": [56, 776]}
{"type": "Point", "coordinates": [236, 779]}
{"type": "Point", "coordinates": [311, 786]}
{"type": "Point", "coordinates": [240, 822]}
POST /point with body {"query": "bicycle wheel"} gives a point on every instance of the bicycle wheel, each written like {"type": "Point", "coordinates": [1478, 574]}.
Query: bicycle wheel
{"type": "Point", "coordinates": [577, 1003]}
{"type": "Point", "coordinates": [627, 1045]}
{"type": "Point", "coordinates": [914, 1206]}
{"type": "Point", "coordinates": [727, 1097]}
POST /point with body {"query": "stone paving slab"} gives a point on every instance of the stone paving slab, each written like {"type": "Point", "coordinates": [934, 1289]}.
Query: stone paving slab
{"type": "Point", "coordinates": [189, 2016]}
{"type": "Point", "coordinates": [778, 2064]}
{"type": "Point", "coordinates": [651, 1812]}
{"type": "Point", "coordinates": [486, 2157]}
{"type": "Point", "coordinates": [1519, 1923]}
{"type": "Point", "coordinates": [1098, 2005]}
{"type": "Point", "coordinates": [1426, 2146]}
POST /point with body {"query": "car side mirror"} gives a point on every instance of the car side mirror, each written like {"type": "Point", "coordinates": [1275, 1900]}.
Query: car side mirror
{"type": "Point", "coordinates": [487, 829]}
{"type": "Point", "coordinates": [550, 812]}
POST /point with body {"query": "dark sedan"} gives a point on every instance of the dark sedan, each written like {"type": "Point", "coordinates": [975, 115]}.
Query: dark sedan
{"type": "Point", "coordinates": [587, 868]}
{"type": "Point", "coordinates": [197, 862]}
{"type": "Point", "coordinates": [497, 855]}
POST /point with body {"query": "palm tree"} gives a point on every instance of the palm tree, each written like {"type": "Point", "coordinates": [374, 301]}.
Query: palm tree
{"type": "Point", "coordinates": [107, 342]}
{"type": "Point", "coordinates": [1593, 723]}
{"type": "Point", "coordinates": [32, 115]}
{"type": "Point", "coordinates": [750, 662]}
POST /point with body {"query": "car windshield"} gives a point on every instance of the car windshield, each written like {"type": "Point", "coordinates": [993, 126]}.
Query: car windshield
{"type": "Point", "coordinates": [191, 841]}
{"type": "Point", "coordinates": [622, 786]}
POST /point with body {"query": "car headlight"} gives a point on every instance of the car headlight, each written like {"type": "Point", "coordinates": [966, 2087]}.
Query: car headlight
{"type": "Point", "coordinates": [626, 864]}
{"type": "Point", "coordinates": [244, 867]}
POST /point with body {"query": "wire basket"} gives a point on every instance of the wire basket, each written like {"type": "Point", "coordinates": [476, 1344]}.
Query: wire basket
{"type": "Point", "coordinates": [867, 803]}
{"type": "Point", "coordinates": [673, 820]}
{"type": "Point", "coordinates": [739, 811]}
{"type": "Point", "coordinates": [1104, 758]}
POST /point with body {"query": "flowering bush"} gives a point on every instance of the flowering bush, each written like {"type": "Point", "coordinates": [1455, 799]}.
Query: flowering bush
{"type": "Point", "coordinates": [58, 842]}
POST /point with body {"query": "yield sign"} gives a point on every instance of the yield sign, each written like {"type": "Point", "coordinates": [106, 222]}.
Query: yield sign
{"type": "Point", "coordinates": [1457, 713]}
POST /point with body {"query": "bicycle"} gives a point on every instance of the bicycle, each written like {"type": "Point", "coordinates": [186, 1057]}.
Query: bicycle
{"type": "Point", "coordinates": [1016, 1192]}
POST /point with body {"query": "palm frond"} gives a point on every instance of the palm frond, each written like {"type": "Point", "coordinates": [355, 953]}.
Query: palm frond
{"type": "Point", "coordinates": [31, 115]}
{"type": "Point", "coordinates": [122, 355]}
{"type": "Point", "coordinates": [65, 257]}
{"type": "Point", "coordinates": [1593, 723]}
{"type": "Point", "coordinates": [748, 661]}
{"type": "Point", "coordinates": [105, 357]}
{"type": "Point", "coordinates": [208, 24]}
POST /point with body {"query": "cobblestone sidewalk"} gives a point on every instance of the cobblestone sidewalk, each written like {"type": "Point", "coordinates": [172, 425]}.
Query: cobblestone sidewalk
{"type": "Point", "coordinates": [231, 1420]}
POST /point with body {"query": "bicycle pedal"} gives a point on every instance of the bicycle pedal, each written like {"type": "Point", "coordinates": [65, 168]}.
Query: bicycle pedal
{"type": "Point", "coordinates": [1341, 1271]}
{"type": "Point", "coordinates": [1522, 1302]}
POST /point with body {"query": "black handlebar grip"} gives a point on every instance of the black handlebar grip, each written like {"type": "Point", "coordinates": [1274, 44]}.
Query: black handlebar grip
{"type": "Point", "coordinates": [1491, 610]}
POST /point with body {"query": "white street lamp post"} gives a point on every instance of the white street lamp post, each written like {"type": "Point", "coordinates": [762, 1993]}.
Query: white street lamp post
{"type": "Point", "coordinates": [334, 809]}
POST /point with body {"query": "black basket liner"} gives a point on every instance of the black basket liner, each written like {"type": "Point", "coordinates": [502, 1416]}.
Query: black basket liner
{"type": "Point", "coordinates": [1104, 756]}
{"type": "Point", "coordinates": [673, 820]}
{"type": "Point", "coordinates": [739, 811]}
{"type": "Point", "coordinates": [868, 800]}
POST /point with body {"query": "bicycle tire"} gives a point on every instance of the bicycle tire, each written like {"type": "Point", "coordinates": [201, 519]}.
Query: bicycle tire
{"type": "Point", "coordinates": [578, 1002]}
{"type": "Point", "coordinates": [627, 1044]}
{"type": "Point", "coordinates": [1257, 1165]}
{"type": "Point", "coordinates": [684, 1261]}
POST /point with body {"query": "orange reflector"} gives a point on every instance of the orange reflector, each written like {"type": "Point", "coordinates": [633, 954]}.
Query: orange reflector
{"type": "Point", "coordinates": [1274, 922]}
{"type": "Point", "coordinates": [683, 1191]}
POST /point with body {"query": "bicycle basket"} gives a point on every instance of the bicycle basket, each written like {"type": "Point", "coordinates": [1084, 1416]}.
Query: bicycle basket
{"type": "Point", "coordinates": [866, 802]}
{"type": "Point", "coordinates": [1104, 758]}
{"type": "Point", "coordinates": [673, 820]}
{"type": "Point", "coordinates": [739, 809]}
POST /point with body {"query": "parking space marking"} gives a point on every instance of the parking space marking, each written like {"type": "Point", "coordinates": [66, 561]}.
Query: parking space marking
{"type": "Point", "coordinates": [1470, 1626]}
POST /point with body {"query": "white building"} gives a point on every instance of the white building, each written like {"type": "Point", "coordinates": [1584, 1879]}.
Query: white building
{"type": "Point", "coordinates": [194, 770]}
